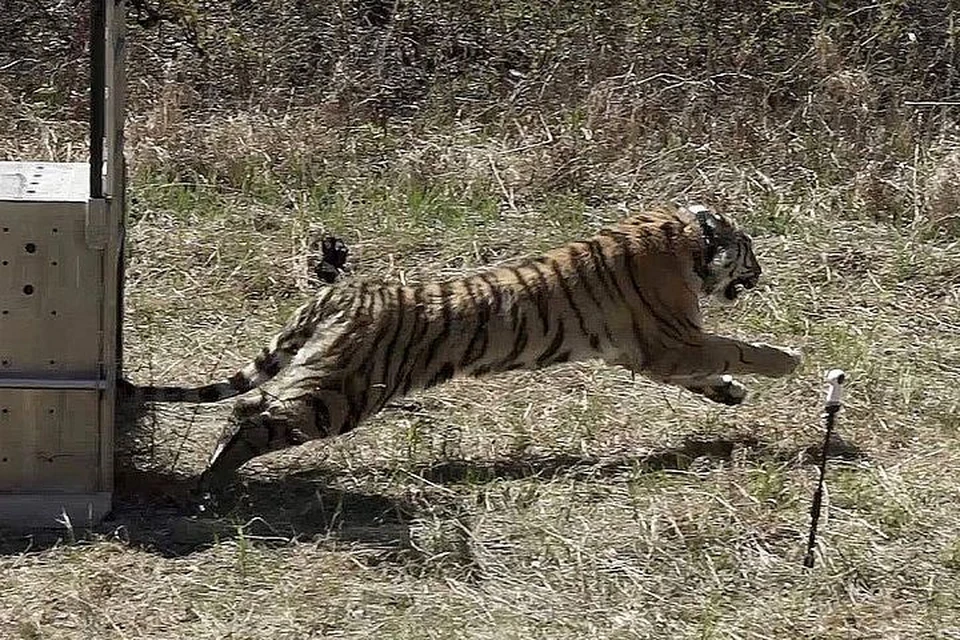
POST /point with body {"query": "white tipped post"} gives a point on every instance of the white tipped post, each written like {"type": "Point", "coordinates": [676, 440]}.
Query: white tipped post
{"type": "Point", "coordinates": [835, 379]}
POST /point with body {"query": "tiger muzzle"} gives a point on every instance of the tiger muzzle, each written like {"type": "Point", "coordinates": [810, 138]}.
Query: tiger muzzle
{"type": "Point", "coordinates": [751, 282]}
{"type": "Point", "coordinates": [734, 288]}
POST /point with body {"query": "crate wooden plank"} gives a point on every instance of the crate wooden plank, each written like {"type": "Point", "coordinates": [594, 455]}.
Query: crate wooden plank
{"type": "Point", "coordinates": [110, 344]}
{"type": "Point", "coordinates": [51, 440]}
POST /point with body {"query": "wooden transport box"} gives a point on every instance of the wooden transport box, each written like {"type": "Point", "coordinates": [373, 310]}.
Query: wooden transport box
{"type": "Point", "coordinates": [59, 259]}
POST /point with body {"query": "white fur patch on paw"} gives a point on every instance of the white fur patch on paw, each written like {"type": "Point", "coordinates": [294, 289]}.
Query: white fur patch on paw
{"type": "Point", "coordinates": [732, 391]}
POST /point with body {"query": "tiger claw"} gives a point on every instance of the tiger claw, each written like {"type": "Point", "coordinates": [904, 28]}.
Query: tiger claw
{"type": "Point", "coordinates": [728, 391]}
{"type": "Point", "coordinates": [731, 392]}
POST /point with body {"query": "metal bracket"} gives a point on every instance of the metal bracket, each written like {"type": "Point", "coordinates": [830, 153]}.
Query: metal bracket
{"type": "Point", "coordinates": [95, 232]}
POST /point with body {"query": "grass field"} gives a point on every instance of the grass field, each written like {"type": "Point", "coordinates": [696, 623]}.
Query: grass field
{"type": "Point", "coordinates": [573, 502]}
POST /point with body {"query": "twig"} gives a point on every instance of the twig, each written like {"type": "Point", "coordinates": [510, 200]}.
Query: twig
{"type": "Point", "coordinates": [507, 194]}
{"type": "Point", "coordinates": [932, 103]}
{"type": "Point", "coordinates": [14, 63]}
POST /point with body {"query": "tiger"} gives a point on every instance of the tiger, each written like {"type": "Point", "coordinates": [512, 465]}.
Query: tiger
{"type": "Point", "coordinates": [628, 295]}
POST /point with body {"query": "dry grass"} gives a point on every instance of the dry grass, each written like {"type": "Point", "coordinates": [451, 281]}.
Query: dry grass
{"type": "Point", "coordinates": [574, 502]}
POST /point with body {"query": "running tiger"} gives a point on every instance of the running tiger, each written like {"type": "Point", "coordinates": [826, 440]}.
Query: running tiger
{"type": "Point", "coordinates": [628, 295]}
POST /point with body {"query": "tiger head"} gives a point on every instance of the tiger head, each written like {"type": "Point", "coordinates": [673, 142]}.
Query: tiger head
{"type": "Point", "coordinates": [728, 265]}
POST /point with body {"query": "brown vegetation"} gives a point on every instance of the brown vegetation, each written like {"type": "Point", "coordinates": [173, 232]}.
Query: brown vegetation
{"type": "Point", "coordinates": [574, 502]}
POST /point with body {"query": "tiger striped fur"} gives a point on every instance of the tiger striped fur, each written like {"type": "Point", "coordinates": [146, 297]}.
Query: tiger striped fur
{"type": "Point", "coordinates": [628, 295]}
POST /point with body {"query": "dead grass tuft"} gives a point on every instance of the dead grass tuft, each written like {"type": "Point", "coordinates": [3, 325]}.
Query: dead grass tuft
{"type": "Point", "coordinates": [943, 193]}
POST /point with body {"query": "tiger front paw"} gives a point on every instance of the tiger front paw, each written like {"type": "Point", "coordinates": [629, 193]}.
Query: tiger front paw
{"type": "Point", "coordinates": [728, 391]}
{"type": "Point", "coordinates": [793, 359]}
{"type": "Point", "coordinates": [779, 361]}
{"type": "Point", "coordinates": [723, 390]}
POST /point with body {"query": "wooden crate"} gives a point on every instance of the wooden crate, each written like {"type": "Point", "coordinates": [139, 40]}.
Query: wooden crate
{"type": "Point", "coordinates": [59, 301]}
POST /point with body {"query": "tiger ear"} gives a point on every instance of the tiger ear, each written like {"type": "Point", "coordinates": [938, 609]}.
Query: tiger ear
{"type": "Point", "coordinates": [706, 218]}
{"type": "Point", "coordinates": [704, 215]}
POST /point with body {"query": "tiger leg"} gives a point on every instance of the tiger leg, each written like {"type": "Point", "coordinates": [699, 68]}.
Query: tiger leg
{"type": "Point", "coordinates": [712, 355]}
{"type": "Point", "coordinates": [260, 426]}
{"type": "Point", "coordinates": [705, 367]}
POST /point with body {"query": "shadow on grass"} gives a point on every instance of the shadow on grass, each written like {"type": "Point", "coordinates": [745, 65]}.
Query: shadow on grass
{"type": "Point", "coordinates": [679, 458]}
{"type": "Point", "coordinates": [153, 510]}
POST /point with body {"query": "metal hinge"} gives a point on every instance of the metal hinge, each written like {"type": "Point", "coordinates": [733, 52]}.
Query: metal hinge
{"type": "Point", "coordinates": [96, 232]}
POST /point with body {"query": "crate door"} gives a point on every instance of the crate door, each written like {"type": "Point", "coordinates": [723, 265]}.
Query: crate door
{"type": "Point", "coordinates": [50, 440]}
{"type": "Point", "coordinates": [51, 292]}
